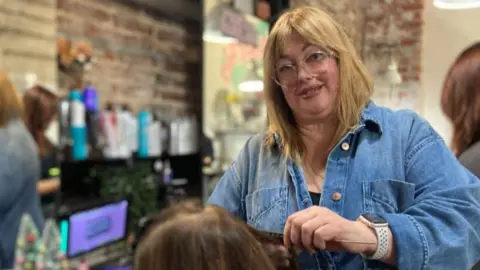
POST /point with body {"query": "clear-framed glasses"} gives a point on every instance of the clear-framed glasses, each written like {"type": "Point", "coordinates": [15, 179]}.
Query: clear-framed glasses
{"type": "Point", "coordinates": [286, 75]}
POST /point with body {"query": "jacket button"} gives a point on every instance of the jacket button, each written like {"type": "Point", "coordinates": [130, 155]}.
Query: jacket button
{"type": "Point", "coordinates": [345, 146]}
{"type": "Point", "coordinates": [336, 196]}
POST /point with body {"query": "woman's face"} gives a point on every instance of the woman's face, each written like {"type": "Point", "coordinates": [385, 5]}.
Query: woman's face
{"type": "Point", "coordinates": [309, 78]}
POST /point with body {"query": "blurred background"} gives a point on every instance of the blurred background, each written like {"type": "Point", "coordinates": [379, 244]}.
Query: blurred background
{"type": "Point", "coordinates": [157, 97]}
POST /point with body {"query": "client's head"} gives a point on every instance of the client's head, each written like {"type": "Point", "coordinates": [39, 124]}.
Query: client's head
{"type": "Point", "coordinates": [190, 236]}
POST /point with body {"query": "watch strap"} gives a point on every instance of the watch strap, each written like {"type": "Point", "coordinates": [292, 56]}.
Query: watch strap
{"type": "Point", "coordinates": [383, 240]}
{"type": "Point", "coordinates": [382, 243]}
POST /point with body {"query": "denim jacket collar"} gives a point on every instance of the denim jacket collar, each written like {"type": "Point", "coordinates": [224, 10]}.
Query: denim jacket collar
{"type": "Point", "coordinates": [368, 119]}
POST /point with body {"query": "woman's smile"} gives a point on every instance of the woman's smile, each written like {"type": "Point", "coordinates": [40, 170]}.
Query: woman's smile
{"type": "Point", "coordinates": [311, 91]}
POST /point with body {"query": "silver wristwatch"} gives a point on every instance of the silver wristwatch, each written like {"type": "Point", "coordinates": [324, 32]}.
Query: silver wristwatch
{"type": "Point", "coordinates": [380, 226]}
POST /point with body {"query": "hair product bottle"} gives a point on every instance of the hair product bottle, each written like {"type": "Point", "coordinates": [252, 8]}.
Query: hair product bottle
{"type": "Point", "coordinates": [143, 127]}
{"type": "Point", "coordinates": [78, 129]}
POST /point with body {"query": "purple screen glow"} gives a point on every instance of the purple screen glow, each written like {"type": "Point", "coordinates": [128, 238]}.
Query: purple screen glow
{"type": "Point", "coordinates": [96, 227]}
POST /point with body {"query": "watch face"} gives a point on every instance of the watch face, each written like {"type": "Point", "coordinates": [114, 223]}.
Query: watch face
{"type": "Point", "coordinates": [375, 219]}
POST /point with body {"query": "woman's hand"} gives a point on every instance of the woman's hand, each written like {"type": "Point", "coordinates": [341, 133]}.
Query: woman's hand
{"type": "Point", "coordinates": [319, 228]}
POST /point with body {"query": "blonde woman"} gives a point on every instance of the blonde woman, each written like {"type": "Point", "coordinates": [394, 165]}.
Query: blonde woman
{"type": "Point", "coordinates": [19, 171]}
{"type": "Point", "coordinates": [355, 185]}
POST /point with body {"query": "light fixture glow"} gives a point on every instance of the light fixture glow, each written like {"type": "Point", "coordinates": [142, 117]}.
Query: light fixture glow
{"type": "Point", "coordinates": [252, 81]}
{"type": "Point", "coordinates": [392, 75]}
{"type": "Point", "coordinates": [456, 4]}
{"type": "Point", "coordinates": [251, 86]}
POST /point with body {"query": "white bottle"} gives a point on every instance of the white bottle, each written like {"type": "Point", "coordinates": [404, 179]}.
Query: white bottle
{"type": "Point", "coordinates": [154, 139]}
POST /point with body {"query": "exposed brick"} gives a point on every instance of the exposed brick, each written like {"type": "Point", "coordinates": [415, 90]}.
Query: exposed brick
{"type": "Point", "coordinates": [133, 24]}
{"type": "Point", "coordinates": [46, 3]}
{"type": "Point", "coordinates": [31, 9]}
{"type": "Point", "coordinates": [368, 21]}
{"type": "Point", "coordinates": [45, 28]}
{"type": "Point", "coordinates": [28, 44]}
{"type": "Point", "coordinates": [125, 44]}
{"type": "Point", "coordinates": [413, 6]}
{"type": "Point", "coordinates": [63, 4]}
{"type": "Point", "coordinates": [63, 20]}
{"type": "Point", "coordinates": [44, 69]}
{"type": "Point", "coordinates": [28, 40]}
{"type": "Point", "coordinates": [84, 10]}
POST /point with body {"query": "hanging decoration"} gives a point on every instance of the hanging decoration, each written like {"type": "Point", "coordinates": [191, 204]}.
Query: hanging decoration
{"type": "Point", "coordinates": [73, 55]}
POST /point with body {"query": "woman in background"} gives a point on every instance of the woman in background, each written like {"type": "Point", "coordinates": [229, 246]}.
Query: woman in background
{"type": "Point", "coordinates": [40, 110]}
{"type": "Point", "coordinates": [19, 172]}
{"type": "Point", "coordinates": [461, 104]}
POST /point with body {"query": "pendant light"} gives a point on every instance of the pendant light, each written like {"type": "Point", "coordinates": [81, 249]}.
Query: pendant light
{"type": "Point", "coordinates": [392, 75]}
{"type": "Point", "coordinates": [252, 82]}
{"type": "Point", "coordinates": [212, 32]}
{"type": "Point", "coordinates": [456, 4]}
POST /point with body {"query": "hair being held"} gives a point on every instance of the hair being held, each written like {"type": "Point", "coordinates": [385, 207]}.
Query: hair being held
{"type": "Point", "coordinates": [190, 236]}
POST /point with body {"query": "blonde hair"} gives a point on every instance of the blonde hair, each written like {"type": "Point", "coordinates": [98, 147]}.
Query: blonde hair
{"type": "Point", "coordinates": [10, 101]}
{"type": "Point", "coordinates": [355, 86]}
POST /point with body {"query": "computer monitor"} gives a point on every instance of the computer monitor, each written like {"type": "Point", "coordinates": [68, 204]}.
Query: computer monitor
{"type": "Point", "coordinates": [89, 180]}
{"type": "Point", "coordinates": [87, 230]}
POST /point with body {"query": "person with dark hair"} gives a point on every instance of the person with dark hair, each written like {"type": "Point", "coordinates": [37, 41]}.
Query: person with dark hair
{"type": "Point", "coordinates": [40, 113]}
{"type": "Point", "coordinates": [19, 172]}
{"type": "Point", "coordinates": [461, 104]}
{"type": "Point", "coordinates": [190, 236]}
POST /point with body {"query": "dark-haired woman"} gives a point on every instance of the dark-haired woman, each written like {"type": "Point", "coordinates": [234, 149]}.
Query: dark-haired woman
{"type": "Point", "coordinates": [461, 104]}
{"type": "Point", "coordinates": [40, 109]}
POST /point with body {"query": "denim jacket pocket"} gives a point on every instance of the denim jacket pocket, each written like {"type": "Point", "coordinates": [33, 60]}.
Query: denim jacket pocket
{"type": "Point", "coordinates": [267, 208]}
{"type": "Point", "coordinates": [387, 196]}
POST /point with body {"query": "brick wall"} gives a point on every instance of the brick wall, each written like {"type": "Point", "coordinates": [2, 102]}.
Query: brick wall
{"type": "Point", "coordinates": [407, 30]}
{"type": "Point", "coordinates": [139, 58]}
{"type": "Point", "coordinates": [27, 38]}
{"type": "Point", "coordinates": [346, 12]}
{"type": "Point", "coordinates": [367, 23]}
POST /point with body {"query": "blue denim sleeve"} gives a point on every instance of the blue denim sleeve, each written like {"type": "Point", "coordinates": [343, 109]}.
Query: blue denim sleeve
{"type": "Point", "coordinates": [227, 193]}
{"type": "Point", "coordinates": [230, 191]}
{"type": "Point", "coordinates": [441, 229]}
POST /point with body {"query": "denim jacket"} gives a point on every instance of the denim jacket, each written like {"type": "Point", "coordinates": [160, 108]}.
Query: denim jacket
{"type": "Point", "coordinates": [393, 164]}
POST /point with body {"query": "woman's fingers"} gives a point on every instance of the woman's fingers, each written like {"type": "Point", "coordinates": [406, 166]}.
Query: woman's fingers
{"type": "Point", "coordinates": [293, 227]}
{"type": "Point", "coordinates": [324, 234]}
{"type": "Point", "coordinates": [308, 230]}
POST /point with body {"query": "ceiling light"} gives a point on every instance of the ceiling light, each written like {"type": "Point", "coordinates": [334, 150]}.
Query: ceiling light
{"type": "Point", "coordinates": [456, 4]}
{"type": "Point", "coordinates": [252, 82]}
{"type": "Point", "coordinates": [392, 75]}
{"type": "Point", "coordinates": [251, 86]}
